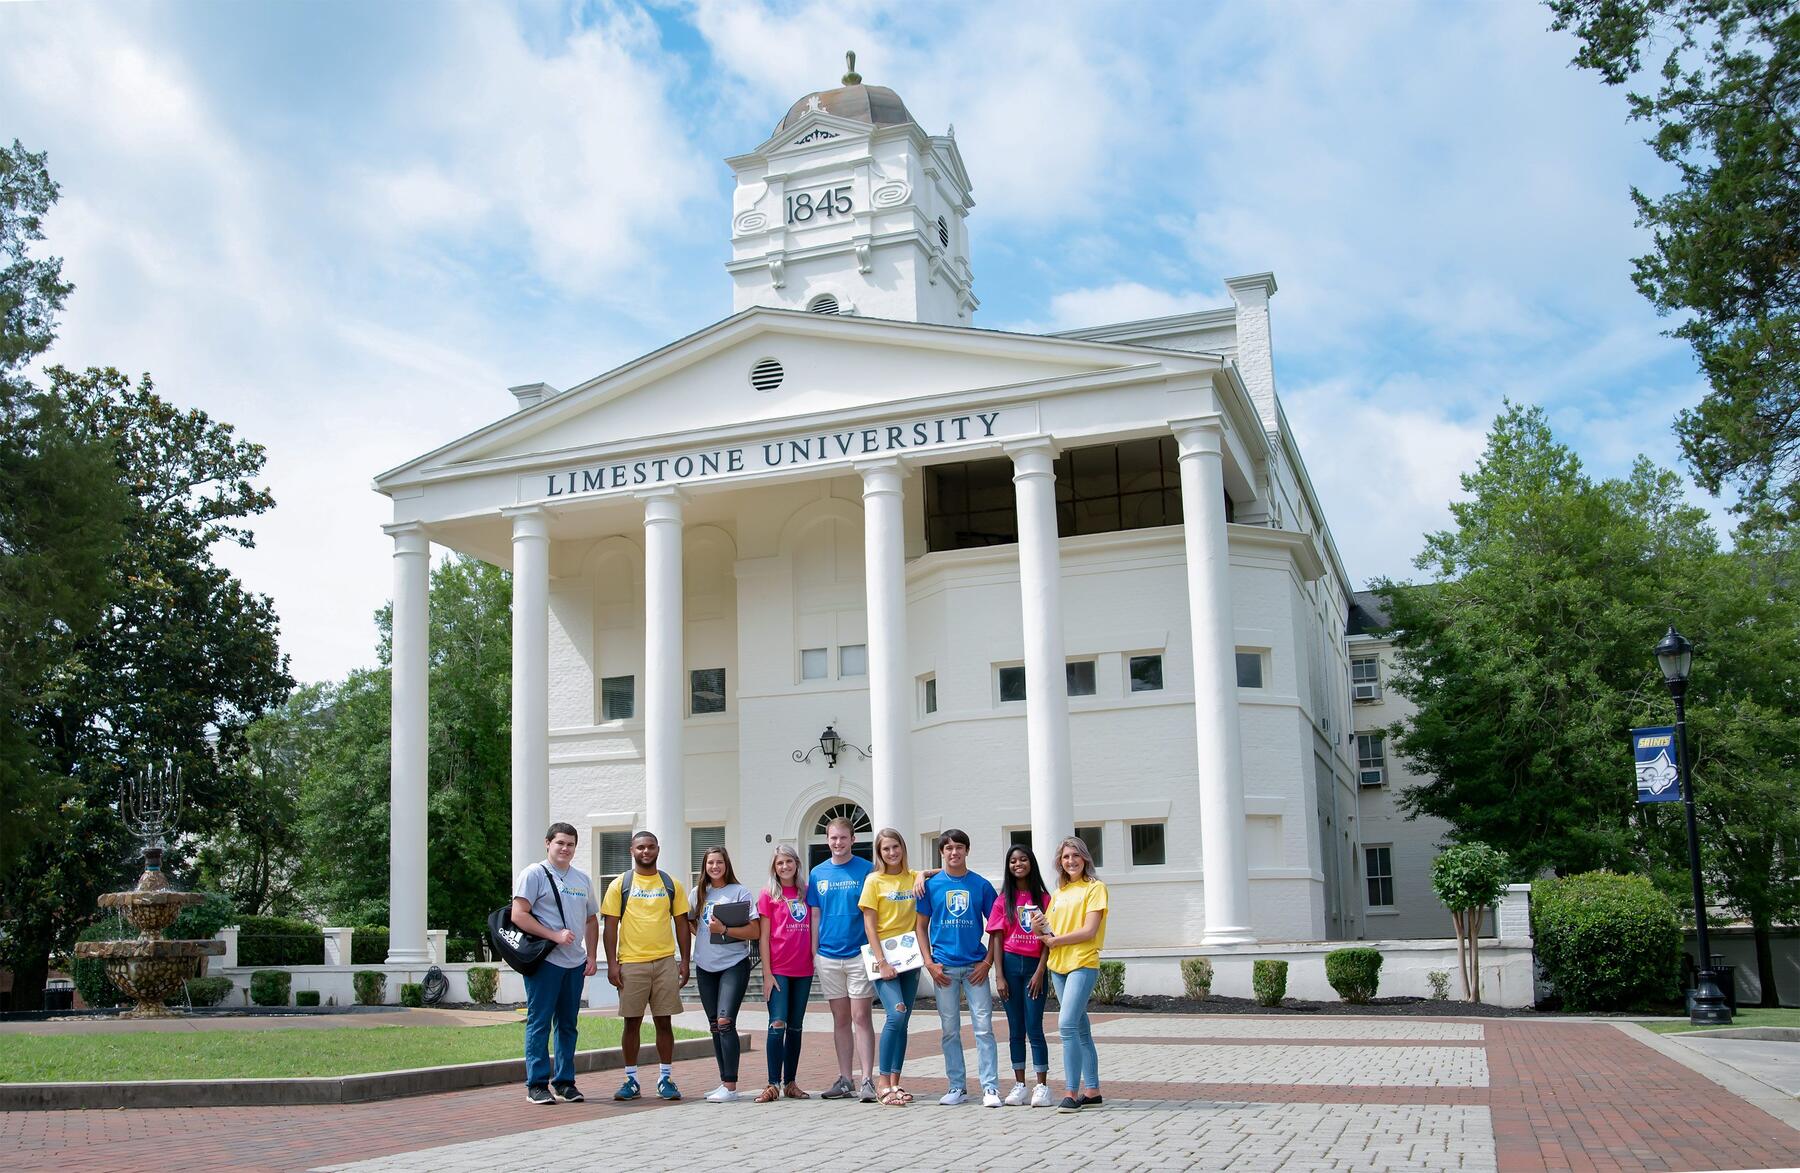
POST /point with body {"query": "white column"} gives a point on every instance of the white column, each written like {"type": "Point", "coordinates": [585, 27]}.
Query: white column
{"type": "Point", "coordinates": [890, 687]}
{"type": "Point", "coordinates": [407, 825]}
{"type": "Point", "coordinates": [530, 684]}
{"type": "Point", "coordinates": [1224, 861]}
{"type": "Point", "coordinates": [1046, 671]}
{"type": "Point", "coordinates": [665, 791]}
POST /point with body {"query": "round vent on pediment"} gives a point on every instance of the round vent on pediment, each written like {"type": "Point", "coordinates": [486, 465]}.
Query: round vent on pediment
{"type": "Point", "coordinates": [825, 303]}
{"type": "Point", "coordinates": [766, 374]}
{"type": "Point", "coordinates": [943, 232]}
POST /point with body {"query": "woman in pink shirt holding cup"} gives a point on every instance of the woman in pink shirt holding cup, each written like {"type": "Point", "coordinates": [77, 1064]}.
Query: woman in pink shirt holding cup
{"type": "Point", "coordinates": [1020, 976]}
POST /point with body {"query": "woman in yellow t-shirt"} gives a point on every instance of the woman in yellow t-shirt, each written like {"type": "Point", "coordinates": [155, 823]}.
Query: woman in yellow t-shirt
{"type": "Point", "coordinates": [1074, 930]}
{"type": "Point", "coordinates": [889, 910]}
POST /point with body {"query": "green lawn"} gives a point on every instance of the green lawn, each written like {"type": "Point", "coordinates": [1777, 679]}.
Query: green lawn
{"type": "Point", "coordinates": [262, 1054]}
{"type": "Point", "coordinates": [1748, 1016]}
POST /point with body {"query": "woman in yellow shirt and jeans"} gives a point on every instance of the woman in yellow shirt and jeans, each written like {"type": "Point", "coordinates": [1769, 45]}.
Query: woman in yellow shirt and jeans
{"type": "Point", "coordinates": [889, 910]}
{"type": "Point", "coordinates": [1074, 931]}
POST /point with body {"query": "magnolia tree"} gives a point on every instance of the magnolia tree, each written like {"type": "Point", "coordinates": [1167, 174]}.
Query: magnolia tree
{"type": "Point", "coordinates": [1468, 878]}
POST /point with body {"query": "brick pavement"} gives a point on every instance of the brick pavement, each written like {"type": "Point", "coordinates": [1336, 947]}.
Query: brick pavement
{"type": "Point", "coordinates": [1551, 1096]}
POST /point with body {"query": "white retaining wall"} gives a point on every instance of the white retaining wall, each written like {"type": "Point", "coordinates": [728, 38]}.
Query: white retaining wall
{"type": "Point", "coordinates": [1506, 968]}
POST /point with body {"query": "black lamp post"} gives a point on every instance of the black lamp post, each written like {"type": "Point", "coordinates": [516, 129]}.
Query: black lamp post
{"type": "Point", "coordinates": [1676, 655]}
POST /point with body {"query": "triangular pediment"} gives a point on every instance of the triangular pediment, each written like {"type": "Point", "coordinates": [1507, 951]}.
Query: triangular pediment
{"type": "Point", "coordinates": [828, 366]}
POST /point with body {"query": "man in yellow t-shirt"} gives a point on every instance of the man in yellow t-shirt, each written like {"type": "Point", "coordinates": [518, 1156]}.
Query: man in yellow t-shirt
{"type": "Point", "coordinates": [645, 911]}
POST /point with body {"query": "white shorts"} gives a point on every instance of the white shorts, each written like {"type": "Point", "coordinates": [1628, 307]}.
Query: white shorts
{"type": "Point", "coordinates": [843, 977]}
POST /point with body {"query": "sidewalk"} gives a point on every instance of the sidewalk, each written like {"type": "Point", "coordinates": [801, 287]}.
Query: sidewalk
{"type": "Point", "coordinates": [1181, 1092]}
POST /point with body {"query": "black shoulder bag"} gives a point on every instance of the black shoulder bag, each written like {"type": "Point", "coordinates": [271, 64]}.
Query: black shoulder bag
{"type": "Point", "coordinates": [522, 950]}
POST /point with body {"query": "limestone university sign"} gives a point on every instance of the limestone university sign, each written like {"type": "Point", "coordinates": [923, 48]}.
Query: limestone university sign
{"type": "Point", "coordinates": [794, 451]}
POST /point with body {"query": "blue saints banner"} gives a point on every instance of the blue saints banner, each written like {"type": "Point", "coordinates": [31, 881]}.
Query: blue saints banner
{"type": "Point", "coordinates": [1658, 778]}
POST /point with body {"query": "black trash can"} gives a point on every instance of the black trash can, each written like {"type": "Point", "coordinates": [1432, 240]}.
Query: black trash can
{"type": "Point", "coordinates": [59, 995]}
{"type": "Point", "coordinates": [1726, 977]}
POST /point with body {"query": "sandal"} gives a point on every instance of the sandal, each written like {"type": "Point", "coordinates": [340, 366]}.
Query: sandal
{"type": "Point", "coordinates": [906, 1097]}
{"type": "Point", "coordinates": [793, 1092]}
{"type": "Point", "coordinates": [768, 1095]}
{"type": "Point", "coordinates": [891, 1097]}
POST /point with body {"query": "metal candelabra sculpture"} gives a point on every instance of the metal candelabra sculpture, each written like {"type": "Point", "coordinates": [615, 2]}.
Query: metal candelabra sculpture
{"type": "Point", "coordinates": [150, 803]}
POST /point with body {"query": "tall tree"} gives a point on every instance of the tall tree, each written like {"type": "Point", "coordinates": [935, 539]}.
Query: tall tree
{"type": "Point", "coordinates": [1726, 110]}
{"type": "Point", "coordinates": [183, 658]}
{"type": "Point", "coordinates": [61, 509]}
{"type": "Point", "coordinates": [344, 799]}
{"type": "Point", "coordinates": [1528, 656]}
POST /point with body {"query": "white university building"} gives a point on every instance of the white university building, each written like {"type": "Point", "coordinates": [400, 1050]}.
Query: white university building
{"type": "Point", "coordinates": [1038, 585]}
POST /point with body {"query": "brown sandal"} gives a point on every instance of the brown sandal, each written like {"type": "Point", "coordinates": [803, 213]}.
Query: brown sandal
{"type": "Point", "coordinates": [768, 1095]}
{"type": "Point", "coordinates": [793, 1092]}
{"type": "Point", "coordinates": [906, 1097]}
{"type": "Point", "coordinates": [891, 1097]}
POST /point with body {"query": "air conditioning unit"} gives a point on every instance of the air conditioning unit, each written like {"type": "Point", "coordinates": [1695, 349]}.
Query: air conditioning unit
{"type": "Point", "coordinates": [1366, 691]}
{"type": "Point", "coordinates": [1374, 777]}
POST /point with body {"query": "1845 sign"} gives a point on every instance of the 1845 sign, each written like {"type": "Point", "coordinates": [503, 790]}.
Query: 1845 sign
{"type": "Point", "coordinates": [815, 448]}
{"type": "Point", "coordinates": [833, 201]}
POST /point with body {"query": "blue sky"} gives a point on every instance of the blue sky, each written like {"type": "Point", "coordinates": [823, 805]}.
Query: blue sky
{"type": "Point", "coordinates": [347, 228]}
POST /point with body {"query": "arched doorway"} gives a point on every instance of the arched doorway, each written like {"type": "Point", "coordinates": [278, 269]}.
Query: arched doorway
{"type": "Point", "coordinates": [817, 852]}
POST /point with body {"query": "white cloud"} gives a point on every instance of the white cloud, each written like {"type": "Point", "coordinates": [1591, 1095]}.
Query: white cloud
{"type": "Point", "coordinates": [1124, 301]}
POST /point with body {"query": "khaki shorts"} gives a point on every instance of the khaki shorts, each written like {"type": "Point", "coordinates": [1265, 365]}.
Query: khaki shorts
{"type": "Point", "coordinates": [843, 977]}
{"type": "Point", "coordinates": [652, 984]}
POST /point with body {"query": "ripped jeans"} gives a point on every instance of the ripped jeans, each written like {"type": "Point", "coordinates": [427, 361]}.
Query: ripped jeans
{"type": "Point", "coordinates": [896, 999]}
{"type": "Point", "coordinates": [721, 994]}
{"type": "Point", "coordinates": [787, 1018]}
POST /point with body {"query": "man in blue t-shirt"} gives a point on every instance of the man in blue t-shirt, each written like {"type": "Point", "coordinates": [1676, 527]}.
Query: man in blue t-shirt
{"type": "Point", "coordinates": [834, 888]}
{"type": "Point", "coordinates": [953, 938]}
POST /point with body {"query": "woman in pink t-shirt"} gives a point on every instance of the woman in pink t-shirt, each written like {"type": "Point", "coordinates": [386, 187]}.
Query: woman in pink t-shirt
{"type": "Point", "coordinates": [1019, 973]}
{"type": "Point", "coordinates": [787, 962]}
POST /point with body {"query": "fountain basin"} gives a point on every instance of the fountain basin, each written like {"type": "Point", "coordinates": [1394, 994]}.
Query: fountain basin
{"type": "Point", "coordinates": [149, 969]}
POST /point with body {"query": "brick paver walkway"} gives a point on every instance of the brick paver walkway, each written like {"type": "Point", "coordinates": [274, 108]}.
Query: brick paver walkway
{"type": "Point", "coordinates": [1201, 1092]}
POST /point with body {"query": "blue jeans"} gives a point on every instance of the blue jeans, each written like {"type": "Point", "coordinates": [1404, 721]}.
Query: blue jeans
{"type": "Point", "coordinates": [1024, 1014]}
{"type": "Point", "coordinates": [552, 997]}
{"type": "Point", "coordinates": [787, 1017]}
{"type": "Point", "coordinates": [1081, 1062]}
{"type": "Point", "coordinates": [894, 995]}
{"type": "Point", "coordinates": [981, 1013]}
{"type": "Point", "coordinates": [721, 994]}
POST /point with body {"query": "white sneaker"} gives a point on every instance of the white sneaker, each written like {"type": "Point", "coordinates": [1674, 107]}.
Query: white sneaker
{"type": "Point", "coordinates": [1040, 1096]}
{"type": "Point", "coordinates": [990, 1098]}
{"type": "Point", "coordinates": [1018, 1095]}
{"type": "Point", "coordinates": [721, 1095]}
{"type": "Point", "coordinates": [953, 1097]}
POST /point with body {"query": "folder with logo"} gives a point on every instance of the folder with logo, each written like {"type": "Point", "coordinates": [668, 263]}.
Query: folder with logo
{"type": "Point", "coordinates": [901, 951]}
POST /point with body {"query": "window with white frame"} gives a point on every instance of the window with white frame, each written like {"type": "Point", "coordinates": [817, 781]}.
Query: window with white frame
{"type": "Point", "coordinates": [1146, 673]}
{"type": "Point", "coordinates": [612, 856]}
{"type": "Point", "coordinates": [1249, 669]}
{"type": "Point", "coordinates": [1011, 681]}
{"type": "Point", "coordinates": [618, 698]}
{"type": "Point", "coordinates": [1371, 759]}
{"type": "Point", "coordinates": [1092, 836]}
{"type": "Point", "coordinates": [700, 839]}
{"type": "Point", "coordinates": [1365, 678]}
{"type": "Point", "coordinates": [706, 691]}
{"type": "Point", "coordinates": [1148, 845]}
{"type": "Point", "coordinates": [815, 663]}
{"type": "Point", "coordinates": [853, 660]}
{"type": "Point", "coordinates": [1081, 677]}
{"type": "Point", "coordinates": [928, 694]}
{"type": "Point", "coordinates": [1378, 870]}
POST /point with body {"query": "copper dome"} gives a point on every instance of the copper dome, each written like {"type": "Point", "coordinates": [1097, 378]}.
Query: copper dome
{"type": "Point", "coordinates": [875, 105]}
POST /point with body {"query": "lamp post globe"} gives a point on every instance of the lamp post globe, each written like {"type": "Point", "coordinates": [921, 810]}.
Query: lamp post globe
{"type": "Point", "coordinates": [1675, 656]}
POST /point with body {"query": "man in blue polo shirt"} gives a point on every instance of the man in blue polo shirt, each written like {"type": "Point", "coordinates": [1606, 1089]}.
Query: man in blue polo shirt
{"type": "Point", "coordinates": [834, 888]}
{"type": "Point", "coordinates": [953, 939]}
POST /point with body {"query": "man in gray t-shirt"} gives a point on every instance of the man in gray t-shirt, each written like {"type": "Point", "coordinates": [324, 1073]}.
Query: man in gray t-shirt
{"type": "Point", "coordinates": [549, 900]}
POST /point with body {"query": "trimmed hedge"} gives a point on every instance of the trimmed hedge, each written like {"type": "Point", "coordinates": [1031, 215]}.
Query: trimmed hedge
{"type": "Point", "coordinates": [1196, 977]}
{"type": "Point", "coordinates": [412, 993]}
{"type": "Point", "coordinates": [368, 945]}
{"type": "Point", "coordinates": [269, 987]}
{"type": "Point", "coordinates": [1354, 973]}
{"type": "Point", "coordinates": [461, 950]}
{"type": "Point", "coordinates": [1111, 982]}
{"type": "Point", "coordinates": [1606, 941]}
{"type": "Point", "coordinates": [306, 997]}
{"type": "Point", "coordinates": [371, 987]}
{"type": "Point", "coordinates": [279, 940]}
{"type": "Point", "coordinates": [484, 984]}
{"type": "Point", "coordinates": [1268, 978]}
{"type": "Point", "coordinates": [207, 991]}
{"type": "Point", "coordinates": [89, 974]}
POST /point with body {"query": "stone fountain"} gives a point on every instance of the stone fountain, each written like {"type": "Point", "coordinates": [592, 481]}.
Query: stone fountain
{"type": "Point", "coordinates": [149, 968]}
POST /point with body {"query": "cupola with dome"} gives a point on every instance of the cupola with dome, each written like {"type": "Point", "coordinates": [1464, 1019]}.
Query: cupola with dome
{"type": "Point", "coordinates": [850, 207]}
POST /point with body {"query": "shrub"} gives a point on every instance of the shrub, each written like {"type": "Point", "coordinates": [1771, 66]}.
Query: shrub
{"type": "Point", "coordinates": [368, 945]}
{"type": "Point", "coordinates": [1440, 984]}
{"type": "Point", "coordinates": [202, 922]}
{"type": "Point", "coordinates": [1269, 981]}
{"type": "Point", "coordinates": [1606, 941]}
{"type": "Point", "coordinates": [306, 997]}
{"type": "Point", "coordinates": [269, 987]}
{"type": "Point", "coordinates": [89, 974]}
{"type": "Point", "coordinates": [207, 991]}
{"type": "Point", "coordinates": [371, 987]}
{"type": "Point", "coordinates": [1196, 977]}
{"type": "Point", "coordinates": [460, 950]}
{"type": "Point", "coordinates": [412, 994]}
{"type": "Point", "coordinates": [484, 984]}
{"type": "Point", "coordinates": [1111, 982]}
{"type": "Point", "coordinates": [279, 940]}
{"type": "Point", "coordinates": [1354, 973]}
